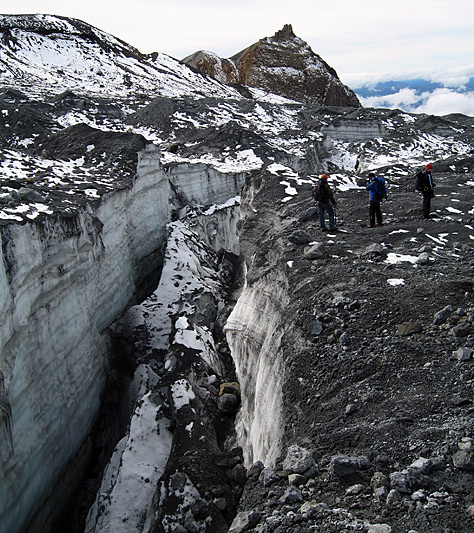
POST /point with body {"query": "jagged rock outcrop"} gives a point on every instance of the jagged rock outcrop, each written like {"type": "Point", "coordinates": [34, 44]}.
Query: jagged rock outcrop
{"type": "Point", "coordinates": [223, 70]}
{"type": "Point", "coordinates": [283, 64]}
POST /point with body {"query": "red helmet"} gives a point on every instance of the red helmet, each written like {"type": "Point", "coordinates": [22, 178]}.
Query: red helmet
{"type": "Point", "coordinates": [429, 166]}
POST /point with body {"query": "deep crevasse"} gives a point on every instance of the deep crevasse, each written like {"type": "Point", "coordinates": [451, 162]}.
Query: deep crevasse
{"type": "Point", "coordinates": [254, 333]}
{"type": "Point", "coordinates": [63, 281]}
{"type": "Point", "coordinates": [187, 302]}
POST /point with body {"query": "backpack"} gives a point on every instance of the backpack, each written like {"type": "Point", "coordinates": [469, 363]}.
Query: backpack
{"type": "Point", "coordinates": [380, 191]}
{"type": "Point", "coordinates": [420, 181]}
{"type": "Point", "coordinates": [318, 192]}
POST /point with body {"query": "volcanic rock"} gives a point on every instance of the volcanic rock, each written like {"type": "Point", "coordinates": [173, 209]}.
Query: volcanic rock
{"type": "Point", "coordinates": [283, 64]}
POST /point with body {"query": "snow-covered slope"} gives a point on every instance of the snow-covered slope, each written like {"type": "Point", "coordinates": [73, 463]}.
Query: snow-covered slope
{"type": "Point", "coordinates": [43, 54]}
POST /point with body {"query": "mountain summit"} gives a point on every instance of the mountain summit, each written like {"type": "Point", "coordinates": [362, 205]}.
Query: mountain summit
{"type": "Point", "coordinates": [283, 64]}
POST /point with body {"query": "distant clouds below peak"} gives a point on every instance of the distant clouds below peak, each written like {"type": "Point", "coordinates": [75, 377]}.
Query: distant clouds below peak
{"type": "Point", "coordinates": [419, 96]}
{"type": "Point", "coordinates": [431, 91]}
{"type": "Point", "coordinates": [456, 78]}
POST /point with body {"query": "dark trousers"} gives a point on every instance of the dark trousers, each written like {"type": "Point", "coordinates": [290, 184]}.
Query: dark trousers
{"type": "Point", "coordinates": [374, 212]}
{"type": "Point", "coordinates": [325, 206]}
{"type": "Point", "coordinates": [427, 203]}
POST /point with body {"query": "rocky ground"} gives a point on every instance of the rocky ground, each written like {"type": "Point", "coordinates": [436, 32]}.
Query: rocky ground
{"type": "Point", "coordinates": [379, 389]}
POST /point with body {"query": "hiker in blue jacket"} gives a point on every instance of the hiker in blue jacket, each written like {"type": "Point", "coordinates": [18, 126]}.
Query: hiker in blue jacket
{"type": "Point", "coordinates": [377, 192]}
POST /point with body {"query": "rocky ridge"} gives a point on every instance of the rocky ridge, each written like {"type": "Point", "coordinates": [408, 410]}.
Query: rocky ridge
{"type": "Point", "coordinates": [283, 64]}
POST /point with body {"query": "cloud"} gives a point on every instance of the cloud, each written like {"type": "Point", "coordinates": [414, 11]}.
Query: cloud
{"type": "Point", "coordinates": [403, 99]}
{"type": "Point", "coordinates": [353, 37]}
{"type": "Point", "coordinates": [445, 101]}
{"type": "Point", "coordinates": [454, 77]}
{"type": "Point", "coordinates": [439, 102]}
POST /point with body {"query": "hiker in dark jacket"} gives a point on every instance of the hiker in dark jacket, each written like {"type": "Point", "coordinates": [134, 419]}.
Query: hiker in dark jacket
{"type": "Point", "coordinates": [376, 188]}
{"type": "Point", "coordinates": [428, 191]}
{"type": "Point", "coordinates": [325, 198]}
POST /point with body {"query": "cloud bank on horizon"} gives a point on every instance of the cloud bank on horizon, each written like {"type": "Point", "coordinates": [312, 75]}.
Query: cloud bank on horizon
{"type": "Point", "coordinates": [365, 42]}
{"type": "Point", "coordinates": [439, 102]}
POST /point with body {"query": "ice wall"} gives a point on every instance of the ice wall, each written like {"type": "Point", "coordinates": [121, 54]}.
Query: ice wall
{"type": "Point", "coordinates": [186, 301]}
{"type": "Point", "coordinates": [254, 332]}
{"type": "Point", "coordinates": [203, 184]}
{"type": "Point", "coordinates": [63, 281]}
{"type": "Point", "coordinates": [354, 129]}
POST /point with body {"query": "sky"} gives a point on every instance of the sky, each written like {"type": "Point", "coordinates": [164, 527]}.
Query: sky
{"type": "Point", "coordinates": [363, 40]}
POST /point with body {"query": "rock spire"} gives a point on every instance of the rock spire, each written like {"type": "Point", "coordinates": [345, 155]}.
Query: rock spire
{"type": "Point", "coordinates": [284, 65]}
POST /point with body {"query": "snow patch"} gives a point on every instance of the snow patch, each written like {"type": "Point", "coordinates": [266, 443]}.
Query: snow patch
{"type": "Point", "coordinates": [396, 282]}
{"type": "Point", "coordinates": [182, 393]}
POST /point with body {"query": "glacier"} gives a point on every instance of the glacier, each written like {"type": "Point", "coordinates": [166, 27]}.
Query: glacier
{"type": "Point", "coordinates": [123, 221]}
{"type": "Point", "coordinates": [63, 284]}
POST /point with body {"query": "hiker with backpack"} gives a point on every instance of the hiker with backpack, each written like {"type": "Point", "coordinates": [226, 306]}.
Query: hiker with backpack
{"type": "Point", "coordinates": [425, 184]}
{"type": "Point", "coordinates": [377, 193]}
{"type": "Point", "coordinates": [324, 197]}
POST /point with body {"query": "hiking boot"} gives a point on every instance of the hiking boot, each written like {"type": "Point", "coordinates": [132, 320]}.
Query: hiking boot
{"type": "Point", "coordinates": [324, 229]}
{"type": "Point", "coordinates": [371, 226]}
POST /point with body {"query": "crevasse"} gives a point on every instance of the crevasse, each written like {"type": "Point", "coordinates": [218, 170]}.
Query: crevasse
{"type": "Point", "coordinates": [63, 282]}
{"type": "Point", "coordinates": [254, 333]}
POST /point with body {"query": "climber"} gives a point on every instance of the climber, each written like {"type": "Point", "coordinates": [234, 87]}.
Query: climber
{"type": "Point", "coordinates": [427, 190]}
{"type": "Point", "coordinates": [377, 193]}
{"type": "Point", "coordinates": [324, 197]}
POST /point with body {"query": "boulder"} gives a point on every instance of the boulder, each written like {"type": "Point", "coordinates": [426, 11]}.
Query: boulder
{"type": "Point", "coordinates": [30, 195]}
{"type": "Point", "coordinates": [268, 476]}
{"type": "Point", "coordinates": [316, 251]}
{"type": "Point", "coordinates": [239, 474]}
{"type": "Point", "coordinates": [441, 316]}
{"type": "Point", "coordinates": [379, 528]}
{"type": "Point", "coordinates": [230, 388]}
{"type": "Point", "coordinates": [315, 327]}
{"type": "Point", "coordinates": [200, 509]}
{"type": "Point", "coordinates": [300, 237]}
{"type": "Point", "coordinates": [374, 249]}
{"type": "Point", "coordinates": [354, 490]}
{"type": "Point", "coordinates": [244, 521]}
{"type": "Point", "coordinates": [292, 495]}
{"type": "Point", "coordinates": [464, 460]}
{"type": "Point", "coordinates": [408, 328]}
{"type": "Point", "coordinates": [296, 479]}
{"type": "Point", "coordinates": [462, 354]}
{"type": "Point", "coordinates": [298, 460]}
{"type": "Point", "coordinates": [308, 214]}
{"type": "Point", "coordinates": [393, 497]}
{"type": "Point", "coordinates": [381, 494]}
{"type": "Point", "coordinates": [423, 258]}
{"type": "Point", "coordinates": [399, 482]}
{"type": "Point", "coordinates": [422, 465]}
{"type": "Point", "coordinates": [463, 329]}
{"type": "Point", "coordinates": [255, 470]}
{"type": "Point", "coordinates": [228, 403]}
{"type": "Point", "coordinates": [378, 480]}
{"type": "Point", "coordinates": [344, 465]}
